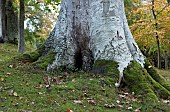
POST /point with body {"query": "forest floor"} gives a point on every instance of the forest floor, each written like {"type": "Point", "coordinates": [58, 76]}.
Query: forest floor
{"type": "Point", "coordinates": [26, 89]}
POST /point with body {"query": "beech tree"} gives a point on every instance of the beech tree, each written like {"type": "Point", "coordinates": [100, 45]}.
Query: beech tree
{"type": "Point", "coordinates": [93, 35]}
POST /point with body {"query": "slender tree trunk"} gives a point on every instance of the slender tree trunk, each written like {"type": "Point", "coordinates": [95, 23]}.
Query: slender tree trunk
{"type": "Point", "coordinates": [1, 37]}
{"type": "Point", "coordinates": [4, 20]}
{"type": "Point", "coordinates": [157, 36]}
{"type": "Point", "coordinates": [166, 60]}
{"type": "Point", "coordinates": [21, 41]}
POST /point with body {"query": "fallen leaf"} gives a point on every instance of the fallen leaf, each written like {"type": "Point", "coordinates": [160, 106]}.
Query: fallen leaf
{"type": "Point", "coordinates": [8, 73]}
{"type": "Point", "coordinates": [15, 94]}
{"type": "Point", "coordinates": [69, 110]}
{"type": "Point", "coordinates": [129, 108]}
{"type": "Point", "coordinates": [166, 101]}
{"type": "Point", "coordinates": [20, 98]}
{"type": "Point", "coordinates": [85, 95]}
{"type": "Point", "coordinates": [117, 101]}
{"type": "Point", "coordinates": [77, 101]}
{"type": "Point", "coordinates": [121, 106]}
{"type": "Point", "coordinates": [2, 79]}
{"type": "Point", "coordinates": [14, 103]}
{"type": "Point", "coordinates": [27, 83]}
{"type": "Point", "coordinates": [122, 96]}
{"type": "Point", "coordinates": [10, 66]}
{"type": "Point", "coordinates": [40, 93]}
{"type": "Point", "coordinates": [92, 102]}
{"type": "Point", "coordinates": [109, 105]}
{"type": "Point", "coordinates": [11, 92]}
{"type": "Point", "coordinates": [137, 110]}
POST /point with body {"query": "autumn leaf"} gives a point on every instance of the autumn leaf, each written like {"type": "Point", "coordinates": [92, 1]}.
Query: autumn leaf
{"type": "Point", "coordinates": [69, 110]}
{"type": "Point", "coordinates": [2, 79]}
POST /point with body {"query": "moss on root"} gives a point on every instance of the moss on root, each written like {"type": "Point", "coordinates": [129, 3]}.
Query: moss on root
{"type": "Point", "coordinates": [38, 60]}
{"type": "Point", "coordinates": [105, 67]}
{"type": "Point", "coordinates": [43, 62]}
{"type": "Point", "coordinates": [141, 82]}
{"type": "Point", "coordinates": [33, 56]}
{"type": "Point", "coordinates": [157, 77]}
{"type": "Point", "coordinates": [30, 57]}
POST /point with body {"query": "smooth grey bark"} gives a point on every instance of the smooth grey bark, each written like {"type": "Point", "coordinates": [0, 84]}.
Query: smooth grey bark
{"type": "Point", "coordinates": [12, 22]}
{"type": "Point", "coordinates": [90, 30]}
{"type": "Point", "coordinates": [21, 40]}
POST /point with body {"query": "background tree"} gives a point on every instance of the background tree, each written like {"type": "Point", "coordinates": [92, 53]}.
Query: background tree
{"type": "Point", "coordinates": [145, 31]}
{"type": "Point", "coordinates": [11, 22]}
{"type": "Point", "coordinates": [21, 40]}
{"type": "Point", "coordinates": [1, 36]}
{"type": "Point", "coordinates": [2, 20]}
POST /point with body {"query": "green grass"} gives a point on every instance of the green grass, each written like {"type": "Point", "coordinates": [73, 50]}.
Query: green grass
{"type": "Point", "coordinates": [165, 73]}
{"type": "Point", "coordinates": [24, 88]}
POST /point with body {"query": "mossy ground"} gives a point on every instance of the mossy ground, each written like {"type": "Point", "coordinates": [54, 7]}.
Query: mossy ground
{"type": "Point", "coordinates": [24, 88]}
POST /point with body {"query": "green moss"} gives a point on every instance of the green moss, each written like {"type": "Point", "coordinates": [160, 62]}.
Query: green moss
{"type": "Point", "coordinates": [157, 77]}
{"type": "Point", "coordinates": [139, 81]}
{"type": "Point", "coordinates": [40, 50]}
{"type": "Point", "coordinates": [159, 90]}
{"type": "Point", "coordinates": [31, 57]}
{"type": "Point", "coordinates": [43, 62]}
{"type": "Point", "coordinates": [106, 67]}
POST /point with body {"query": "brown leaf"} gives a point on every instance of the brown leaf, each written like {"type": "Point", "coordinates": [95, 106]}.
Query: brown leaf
{"type": "Point", "coordinates": [69, 110]}
{"type": "Point", "coordinates": [27, 83]}
{"type": "Point", "coordinates": [92, 102]}
{"type": "Point", "coordinates": [20, 98]}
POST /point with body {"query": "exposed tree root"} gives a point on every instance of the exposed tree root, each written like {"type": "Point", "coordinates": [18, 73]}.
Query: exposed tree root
{"type": "Point", "coordinates": [140, 81]}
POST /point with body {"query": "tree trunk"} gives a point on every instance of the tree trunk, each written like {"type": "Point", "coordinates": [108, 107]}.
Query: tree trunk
{"type": "Point", "coordinates": [21, 40]}
{"type": "Point", "coordinates": [157, 36]}
{"type": "Point", "coordinates": [166, 60]}
{"type": "Point", "coordinates": [1, 37]}
{"type": "Point", "coordinates": [93, 35]}
{"type": "Point", "coordinates": [4, 19]}
{"type": "Point", "coordinates": [12, 22]}
{"type": "Point", "coordinates": [92, 27]}
{"type": "Point", "coordinates": [2, 15]}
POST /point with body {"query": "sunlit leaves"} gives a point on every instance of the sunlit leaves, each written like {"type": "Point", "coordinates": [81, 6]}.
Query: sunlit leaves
{"type": "Point", "coordinates": [143, 24]}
